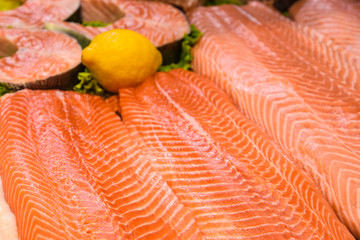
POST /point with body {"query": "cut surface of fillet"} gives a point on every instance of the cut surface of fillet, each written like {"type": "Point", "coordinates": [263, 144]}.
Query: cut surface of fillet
{"type": "Point", "coordinates": [161, 23]}
{"type": "Point", "coordinates": [222, 167]}
{"type": "Point", "coordinates": [338, 20]}
{"type": "Point", "coordinates": [186, 5]}
{"type": "Point", "coordinates": [276, 73]}
{"type": "Point", "coordinates": [34, 13]}
{"type": "Point", "coordinates": [71, 170]}
{"type": "Point", "coordinates": [8, 229]}
{"type": "Point", "coordinates": [38, 58]}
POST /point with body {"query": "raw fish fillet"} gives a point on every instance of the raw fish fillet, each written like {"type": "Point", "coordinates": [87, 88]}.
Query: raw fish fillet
{"type": "Point", "coordinates": [71, 170]}
{"type": "Point", "coordinates": [300, 90]}
{"type": "Point", "coordinates": [184, 164]}
{"type": "Point", "coordinates": [221, 166]}
{"type": "Point", "coordinates": [8, 229]}
{"type": "Point", "coordinates": [338, 20]}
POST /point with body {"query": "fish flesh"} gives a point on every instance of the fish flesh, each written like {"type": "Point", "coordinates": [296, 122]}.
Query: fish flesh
{"type": "Point", "coordinates": [34, 13]}
{"type": "Point", "coordinates": [34, 58]}
{"type": "Point", "coordinates": [338, 20]}
{"type": "Point", "coordinates": [300, 90]}
{"type": "Point", "coordinates": [72, 170]}
{"type": "Point", "coordinates": [8, 229]}
{"type": "Point", "coordinates": [176, 168]}
{"type": "Point", "coordinates": [185, 5]}
{"type": "Point", "coordinates": [235, 181]}
{"type": "Point", "coordinates": [161, 23]}
{"type": "Point", "coordinates": [113, 102]}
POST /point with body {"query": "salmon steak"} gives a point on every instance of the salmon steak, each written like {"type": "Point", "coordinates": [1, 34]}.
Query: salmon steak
{"type": "Point", "coordinates": [185, 5]}
{"type": "Point", "coordinates": [161, 23]}
{"type": "Point", "coordinates": [34, 58]}
{"type": "Point", "coordinates": [34, 13]}
{"type": "Point", "coordinates": [235, 181]}
{"type": "Point", "coordinates": [289, 80]}
{"type": "Point", "coordinates": [338, 20]}
{"type": "Point", "coordinates": [71, 169]}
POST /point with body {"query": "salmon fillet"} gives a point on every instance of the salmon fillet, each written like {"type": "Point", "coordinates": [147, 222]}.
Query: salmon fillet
{"type": "Point", "coordinates": [8, 229]}
{"type": "Point", "coordinates": [34, 13]}
{"type": "Point", "coordinates": [222, 167]}
{"type": "Point", "coordinates": [297, 88]}
{"type": "Point", "coordinates": [161, 23]}
{"type": "Point", "coordinates": [338, 20]}
{"type": "Point", "coordinates": [71, 170]}
{"type": "Point", "coordinates": [40, 58]}
{"type": "Point", "coordinates": [165, 173]}
{"type": "Point", "coordinates": [113, 103]}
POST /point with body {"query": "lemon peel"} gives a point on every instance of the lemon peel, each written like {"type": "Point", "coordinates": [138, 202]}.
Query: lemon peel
{"type": "Point", "coordinates": [121, 58]}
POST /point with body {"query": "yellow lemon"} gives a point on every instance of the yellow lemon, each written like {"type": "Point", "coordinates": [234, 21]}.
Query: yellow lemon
{"type": "Point", "coordinates": [121, 58]}
{"type": "Point", "coordinates": [6, 5]}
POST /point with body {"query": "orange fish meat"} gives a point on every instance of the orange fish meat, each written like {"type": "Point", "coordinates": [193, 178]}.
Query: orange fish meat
{"type": "Point", "coordinates": [35, 58]}
{"type": "Point", "coordinates": [34, 13]}
{"type": "Point", "coordinates": [223, 168]}
{"type": "Point", "coordinates": [338, 20]}
{"type": "Point", "coordinates": [72, 170]}
{"type": "Point", "coordinates": [303, 92]}
{"type": "Point", "coordinates": [161, 23]}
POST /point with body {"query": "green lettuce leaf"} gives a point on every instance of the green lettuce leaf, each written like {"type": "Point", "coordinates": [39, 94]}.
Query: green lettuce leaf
{"type": "Point", "coordinates": [186, 45]}
{"type": "Point", "coordinates": [4, 88]}
{"type": "Point", "coordinates": [94, 24]}
{"type": "Point", "coordinates": [221, 2]}
{"type": "Point", "coordinates": [88, 84]}
{"type": "Point", "coordinates": [286, 13]}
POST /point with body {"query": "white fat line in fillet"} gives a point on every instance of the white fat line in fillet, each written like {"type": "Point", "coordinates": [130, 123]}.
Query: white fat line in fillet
{"type": "Point", "coordinates": [187, 117]}
{"type": "Point", "coordinates": [253, 19]}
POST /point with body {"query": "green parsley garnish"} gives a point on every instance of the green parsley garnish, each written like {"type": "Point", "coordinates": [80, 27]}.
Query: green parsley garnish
{"type": "Point", "coordinates": [88, 84]}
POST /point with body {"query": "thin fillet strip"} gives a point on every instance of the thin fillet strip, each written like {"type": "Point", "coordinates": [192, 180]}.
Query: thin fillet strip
{"type": "Point", "coordinates": [312, 117]}
{"type": "Point", "coordinates": [71, 170]}
{"type": "Point", "coordinates": [161, 23]}
{"type": "Point", "coordinates": [338, 20]}
{"type": "Point", "coordinates": [235, 181]}
{"type": "Point", "coordinates": [34, 13]}
{"type": "Point", "coordinates": [40, 55]}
